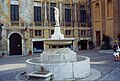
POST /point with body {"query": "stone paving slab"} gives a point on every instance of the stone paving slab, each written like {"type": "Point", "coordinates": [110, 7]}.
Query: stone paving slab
{"type": "Point", "coordinates": [106, 51]}
{"type": "Point", "coordinates": [114, 75]}
{"type": "Point", "coordinates": [95, 74]}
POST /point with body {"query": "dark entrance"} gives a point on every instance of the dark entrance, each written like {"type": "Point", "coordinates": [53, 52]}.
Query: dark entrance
{"type": "Point", "coordinates": [38, 46]}
{"type": "Point", "coordinates": [15, 44]}
{"type": "Point", "coordinates": [98, 38]}
{"type": "Point", "coordinates": [83, 44]}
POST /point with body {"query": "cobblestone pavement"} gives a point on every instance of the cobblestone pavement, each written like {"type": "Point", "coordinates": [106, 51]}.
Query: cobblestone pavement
{"type": "Point", "coordinates": [10, 66]}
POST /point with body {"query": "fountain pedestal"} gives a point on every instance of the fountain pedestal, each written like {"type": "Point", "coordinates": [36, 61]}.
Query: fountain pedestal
{"type": "Point", "coordinates": [57, 34]}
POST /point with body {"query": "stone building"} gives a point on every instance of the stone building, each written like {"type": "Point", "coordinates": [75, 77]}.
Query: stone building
{"type": "Point", "coordinates": [29, 22]}
{"type": "Point", "coordinates": [105, 20]}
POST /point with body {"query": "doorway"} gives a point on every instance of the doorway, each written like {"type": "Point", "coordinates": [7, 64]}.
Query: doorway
{"type": "Point", "coordinates": [15, 46]}
{"type": "Point", "coordinates": [83, 44]}
{"type": "Point", "coordinates": [38, 46]}
{"type": "Point", "coordinates": [98, 38]}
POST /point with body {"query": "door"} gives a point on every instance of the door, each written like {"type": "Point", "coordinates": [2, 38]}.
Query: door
{"type": "Point", "coordinates": [15, 41]}
{"type": "Point", "coordinates": [98, 38]}
{"type": "Point", "coordinates": [83, 44]}
{"type": "Point", "coordinates": [38, 46]}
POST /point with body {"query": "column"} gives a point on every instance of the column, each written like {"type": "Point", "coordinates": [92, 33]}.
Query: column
{"type": "Point", "coordinates": [60, 6]}
{"type": "Point", "coordinates": [45, 11]}
{"type": "Point", "coordinates": [75, 25]}
{"type": "Point", "coordinates": [75, 12]}
{"type": "Point", "coordinates": [45, 21]}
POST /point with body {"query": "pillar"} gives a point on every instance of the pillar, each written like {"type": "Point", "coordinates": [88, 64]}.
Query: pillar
{"type": "Point", "coordinates": [75, 25]}
{"type": "Point", "coordinates": [46, 19]}
{"type": "Point", "coordinates": [75, 12]}
{"type": "Point", "coordinates": [61, 12]}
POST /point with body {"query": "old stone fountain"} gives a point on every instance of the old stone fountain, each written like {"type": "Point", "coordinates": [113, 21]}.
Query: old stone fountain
{"type": "Point", "coordinates": [61, 62]}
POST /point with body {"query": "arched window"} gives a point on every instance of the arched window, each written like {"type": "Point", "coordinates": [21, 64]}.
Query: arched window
{"type": "Point", "coordinates": [109, 8]}
{"type": "Point", "coordinates": [97, 11]}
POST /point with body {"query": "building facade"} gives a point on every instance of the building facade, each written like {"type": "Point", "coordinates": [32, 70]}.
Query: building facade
{"type": "Point", "coordinates": [28, 22]}
{"type": "Point", "coordinates": [105, 20]}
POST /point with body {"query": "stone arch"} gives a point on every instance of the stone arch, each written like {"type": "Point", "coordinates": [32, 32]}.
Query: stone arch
{"type": "Point", "coordinates": [15, 32]}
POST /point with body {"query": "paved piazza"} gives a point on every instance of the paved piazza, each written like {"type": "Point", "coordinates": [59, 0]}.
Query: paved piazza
{"type": "Point", "coordinates": [103, 61]}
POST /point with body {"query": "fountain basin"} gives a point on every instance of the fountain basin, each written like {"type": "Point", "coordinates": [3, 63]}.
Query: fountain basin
{"type": "Point", "coordinates": [58, 55]}
{"type": "Point", "coordinates": [57, 41]}
{"type": "Point", "coordinates": [61, 71]}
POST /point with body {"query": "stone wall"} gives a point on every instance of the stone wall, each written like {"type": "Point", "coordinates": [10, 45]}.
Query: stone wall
{"type": "Point", "coordinates": [108, 25]}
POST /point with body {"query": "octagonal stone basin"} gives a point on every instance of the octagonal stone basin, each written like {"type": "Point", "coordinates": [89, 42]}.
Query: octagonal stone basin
{"type": "Point", "coordinates": [62, 41]}
{"type": "Point", "coordinates": [63, 70]}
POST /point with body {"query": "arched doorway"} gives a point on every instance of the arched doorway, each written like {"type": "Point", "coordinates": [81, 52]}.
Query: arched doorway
{"type": "Point", "coordinates": [15, 42]}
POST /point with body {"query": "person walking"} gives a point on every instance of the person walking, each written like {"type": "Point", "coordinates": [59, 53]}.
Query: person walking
{"type": "Point", "coordinates": [116, 52]}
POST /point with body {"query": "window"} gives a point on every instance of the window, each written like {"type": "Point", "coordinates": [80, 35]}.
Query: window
{"type": "Point", "coordinates": [82, 6]}
{"type": "Point", "coordinates": [52, 32]}
{"type": "Point", "coordinates": [37, 13]}
{"type": "Point", "coordinates": [109, 8]}
{"type": "Point", "coordinates": [78, 33]}
{"type": "Point", "coordinates": [38, 32]}
{"type": "Point", "coordinates": [83, 32]}
{"type": "Point", "coordinates": [52, 18]}
{"type": "Point", "coordinates": [14, 12]}
{"type": "Point", "coordinates": [67, 13]}
{"type": "Point", "coordinates": [83, 16]}
{"type": "Point", "coordinates": [97, 11]}
{"type": "Point", "coordinates": [31, 33]}
{"type": "Point", "coordinates": [68, 32]}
